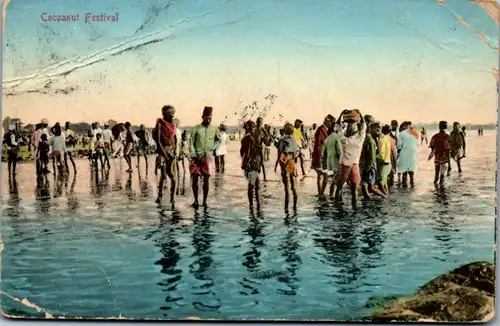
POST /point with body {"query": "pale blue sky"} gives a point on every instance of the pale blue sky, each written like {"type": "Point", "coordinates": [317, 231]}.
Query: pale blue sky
{"type": "Point", "coordinates": [405, 59]}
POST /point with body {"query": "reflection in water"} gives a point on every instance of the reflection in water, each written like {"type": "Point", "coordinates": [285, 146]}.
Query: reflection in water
{"type": "Point", "coordinates": [218, 184]}
{"type": "Point", "coordinates": [288, 248]}
{"type": "Point", "coordinates": [97, 185]}
{"type": "Point", "coordinates": [251, 258]}
{"type": "Point", "coordinates": [129, 192]}
{"type": "Point", "coordinates": [59, 181]}
{"type": "Point", "coordinates": [14, 210]}
{"type": "Point", "coordinates": [13, 207]}
{"type": "Point", "coordinates": [248, 261]}
{"type": "Point", "coordinates": [117, 186]}
{"type": "Point", "coordinates": [443, 224]}
{"type": "Point", "coordinates": [201, 268]}
{"type": "Point", "coordinates": [144, 189]}
{"type": "Point", "coordinates": [372, 235]}
{"type": "Point", "coordinates": [72, 198]}
{"type": "Point", "coordinates": [165, 239]}
{"type": "Point", "coordinates": [339, 242]}
{"type": "Point", "coordinates": [43, 195]}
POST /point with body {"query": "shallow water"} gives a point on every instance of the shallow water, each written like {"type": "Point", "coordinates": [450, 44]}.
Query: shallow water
{"type": "Point", "coordinates": [82, 247]}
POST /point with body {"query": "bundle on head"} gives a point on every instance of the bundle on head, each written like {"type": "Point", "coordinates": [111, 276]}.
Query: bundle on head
{"type": "Point", "coordinates": [351, 116]}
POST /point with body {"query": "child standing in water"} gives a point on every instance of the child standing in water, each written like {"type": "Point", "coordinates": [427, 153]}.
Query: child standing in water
{"type": "Point", "coordinates": [43, 153]}
{"type": "Point", "coordinates": [352, 143]}
{"type": "Point", "coordinates": [250, 162]}
{"type": "Point", "coordinates": [440, 150]}
{"type": "Point", "coordinates": [287, 151]}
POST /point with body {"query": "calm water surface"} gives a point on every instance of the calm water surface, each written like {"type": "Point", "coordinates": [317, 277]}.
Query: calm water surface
{"type": "Point", "coordinates": [99, 247]}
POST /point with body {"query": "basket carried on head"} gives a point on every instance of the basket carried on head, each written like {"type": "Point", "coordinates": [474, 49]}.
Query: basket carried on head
{"type": "Point", "coordinates": [351, 116]}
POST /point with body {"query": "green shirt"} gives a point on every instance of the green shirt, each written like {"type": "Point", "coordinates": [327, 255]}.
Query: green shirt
{"type": "Point", "coordinates": [369, 153]}
{"type": "Point", "coordinates": [204, 140]}
{"type": "Point", "coordinates": [332, 149]}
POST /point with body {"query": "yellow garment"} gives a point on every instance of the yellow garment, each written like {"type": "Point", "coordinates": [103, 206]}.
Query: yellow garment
{"type": "Point", "coordinates": [384, 148]}
{"type": "Point", "coordinates": [297, 135]}
{"type": "Point", "coordinates": [69, 132]}
{"type": "Point", "coordinates": [290, 167]}
{"type": "Point", "coordinates": [288, 164]}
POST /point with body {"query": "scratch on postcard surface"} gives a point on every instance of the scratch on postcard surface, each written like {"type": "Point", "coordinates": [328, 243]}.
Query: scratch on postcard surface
{"type": "Point", "coordinates": [38, 81]}
{"type": "Point", "coordinates": [491, 7]}
{"type": "Point", "coordinates": [463, 22]}
{"type": "Point", "coordinates": [110, 287]}
{"type": "Point", "coordinates": [28, 304]}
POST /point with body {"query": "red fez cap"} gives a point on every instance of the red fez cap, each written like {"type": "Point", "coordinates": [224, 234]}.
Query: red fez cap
{"type": "Point", "coordinates": [207, 111]}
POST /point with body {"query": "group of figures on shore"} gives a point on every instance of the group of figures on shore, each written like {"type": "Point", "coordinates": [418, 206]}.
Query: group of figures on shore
{"type": "Point", "coordinates": [352, 149]}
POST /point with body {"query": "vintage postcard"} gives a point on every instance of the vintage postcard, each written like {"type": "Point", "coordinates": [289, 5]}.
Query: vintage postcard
{"type": "Point", "coordinates": [249, 160]}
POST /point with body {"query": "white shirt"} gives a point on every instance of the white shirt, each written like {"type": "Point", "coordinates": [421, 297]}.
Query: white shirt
{"type": "Point", "coordinates": [352, 146]}
{"type": "Point", "coordinates": [178, 134]}
{"type": "Point", "coordinates": [107, 135]}
{"type": "Point", "coordinates": [58, 143]}
{"type": "Point", "coordinates": [13, 140]}
{"type": "Point", "coordinates": [95, 132]}
{"type": "Point", "coordinates": [222, 148]}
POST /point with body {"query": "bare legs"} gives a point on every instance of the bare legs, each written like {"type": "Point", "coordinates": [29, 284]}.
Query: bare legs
{"type": "Point", "coordinates": [166, 171]}
{"type": "Point", "coordinates": [412, 179]}
{"type": "Point", "coordinates": [289, 184]}
{"type": "Point", "coordinates": [220, 164]}
{"type": "Point", "coordinates": [206, 188]}
{"type": "Point", "coordinates": [250, 193]}
{"type": "Point", "coordinates": [66, 155]}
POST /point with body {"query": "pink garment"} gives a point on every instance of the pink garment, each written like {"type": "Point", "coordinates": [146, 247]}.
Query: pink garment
{"type": "Point", "coordinates": [35, 140]}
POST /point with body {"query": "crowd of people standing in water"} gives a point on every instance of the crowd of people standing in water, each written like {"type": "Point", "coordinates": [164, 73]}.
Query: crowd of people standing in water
{"type": "Point", "coordinates": [352, 149]}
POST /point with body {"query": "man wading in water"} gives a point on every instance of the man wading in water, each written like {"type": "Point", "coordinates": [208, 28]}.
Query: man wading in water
{"type": "Point", "coordinates": [164, 136]}
{"type": "Point", "coordinates": [457, 142]}
{"type": "Point", "coordinates": [10, 139]}
{"type": "Point", "coordinates": [70, 145]}
{"type": "Point", "coordinates": [261, 140]}
{"type": "Point", "coordinates": [204, 140]}
{"type": "Point", "coordinates": [129, 144]}
{"type": "Point", "coordinates": [250, 163]}
{"type": "Point", "coordinates": [142, 149]}
{"type": "Point", "coordinates": [300, 141]}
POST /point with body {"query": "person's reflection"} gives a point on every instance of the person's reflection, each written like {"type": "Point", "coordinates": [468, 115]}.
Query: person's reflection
{"type": "Point", "coordinates": [201, 268]}
{"type": "Point", "coordinates": [145, 191]}
{"type": "Point", "coordinates": [181, 184]}
{"type": "Point", "coordinates": [441, 196]}
{"type": "Point", "coordinates": [117, 186]}
{"type": "Point", "coordinates": [13, 208]}
{"type": "Point", "coordinates": [372, 235]}
{"type": "Point", "coordinates": [288, 248]}
{"type": "Point", "coordinates": [251, 258]}
{"type": "Point", "coordinates": [443, 222]}
{"type": "Point", "coordinates": [43, 194]}
{"type": "Point", "coordinates": [96, 189]}
{"type": "Point", "coordinates": [165, 238]}
{"type": "Point", "coordinates": [338, 240]}
{"type": "Point", "coordinates": [129, 192]}
{"type": "Point", "coordinates": [59, 182]}
{"type": "Point", "coordinates": [72, 198]}
{"type": "Point", "coordinates": [218, 183]}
